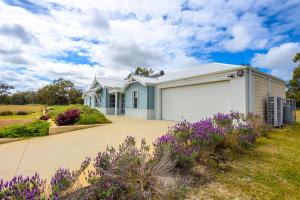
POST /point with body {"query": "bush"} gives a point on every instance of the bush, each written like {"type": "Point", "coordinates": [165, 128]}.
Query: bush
{"type": "Point", "coordinates": [22, 112]}
{"type": "Point", "coordinates": [20, 187]}
{"type": "Point", "coordinates": [87, 115]}
{"type": "Point", "coordinates": [6, 113]}
{"type": "Point", "coordinates": [63, 179]}
{"type": "Point", "coordinates": [35, 128]}
{"type": "Point", "coordinates": [68, 118]}
{"type": "Point", "coordinates": [131, 173]}
{"type": "Point", "coordinates": [91, 116]}
{"type": "Point", "coordinates": [45, 117]}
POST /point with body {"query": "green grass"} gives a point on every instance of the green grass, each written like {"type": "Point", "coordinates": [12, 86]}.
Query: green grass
{"type": "Point", "coordinates": [270, 171]}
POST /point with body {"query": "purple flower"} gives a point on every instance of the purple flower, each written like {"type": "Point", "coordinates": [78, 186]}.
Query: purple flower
{"type": "Point", "coordinates": [167, 138]}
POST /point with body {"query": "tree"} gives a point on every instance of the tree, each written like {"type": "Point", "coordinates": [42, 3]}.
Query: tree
{"type": "Point", "coordinates": [60, 92]}
{"type": "Point", "coordinates": [4, 89]}
{"type": "Point", "coordinates": [4, 93]}
{"type": "Point", "coordinates": [141, 71]}
{"type": "Point", "coordinates": [294, 84]}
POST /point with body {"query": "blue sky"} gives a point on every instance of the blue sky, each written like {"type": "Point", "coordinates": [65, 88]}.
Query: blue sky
{"type": "Point", "coordinates": [42, 40]}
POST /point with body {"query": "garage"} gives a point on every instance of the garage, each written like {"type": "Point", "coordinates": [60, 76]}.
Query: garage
{"type": "Point", "coordinates": [194, 102]}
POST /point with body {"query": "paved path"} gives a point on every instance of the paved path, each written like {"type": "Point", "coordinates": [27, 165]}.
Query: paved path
{"type": "Point", "coordinates": [46, 154]}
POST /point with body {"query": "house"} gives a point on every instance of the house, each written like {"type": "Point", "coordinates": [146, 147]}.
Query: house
{"type": "Point", "coordinates": [190, 94]}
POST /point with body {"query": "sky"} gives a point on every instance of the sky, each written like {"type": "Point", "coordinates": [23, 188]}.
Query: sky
{"type": "Point", "coordinates": [43, 40]}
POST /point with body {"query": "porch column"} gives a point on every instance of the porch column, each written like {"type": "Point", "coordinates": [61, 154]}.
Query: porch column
{"type": "Point", "coordinates": [116, 103]}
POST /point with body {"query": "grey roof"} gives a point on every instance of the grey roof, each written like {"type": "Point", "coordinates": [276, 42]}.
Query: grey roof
{"type": "Point", "coordinates": [113, 83]}
{"type": "Point", "coordinates": [197, 71]}
{"type": "Point", "coordinates": [172, 76]}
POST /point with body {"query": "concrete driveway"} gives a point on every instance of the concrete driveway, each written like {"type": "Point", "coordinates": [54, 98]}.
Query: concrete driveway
{"type": "Point", "coordinates": [46, 154]}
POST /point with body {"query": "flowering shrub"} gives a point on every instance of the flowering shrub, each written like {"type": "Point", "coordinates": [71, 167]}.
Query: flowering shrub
{"type": "Point", "coordinates": [131, 173]}
{"type": "Point", "coordinates": [225, 121]}
{"type": "Point", "coordinates": [64, 179]}
{"type": "Point", "coordinates": [44, 117]}
{"type": "Point", "coordinates": [68, 118]}
{"type": "Point", "coordinates": [135, 173]}
{"type": "Point", "coordinates": [20, 187]}
{"type": "Point", "coordinates": [206, 133]}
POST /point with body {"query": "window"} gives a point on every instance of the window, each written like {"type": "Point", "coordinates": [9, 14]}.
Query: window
{"type": "Point", "coordinates": [135, 98]}
{"type": "Point", "coordinates": [111, 100]}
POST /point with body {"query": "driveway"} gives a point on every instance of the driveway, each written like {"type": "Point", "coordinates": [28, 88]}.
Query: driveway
{"type": "Point", "coordinates": [46, 154]}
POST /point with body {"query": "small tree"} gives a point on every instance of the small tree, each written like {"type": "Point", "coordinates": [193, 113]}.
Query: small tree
{"type": "Point", "coordinates": [141, 71]}
{"type": "Point", "coordinates": [4, 89]}
{"type": "Point", "coordinates": [294, 84]}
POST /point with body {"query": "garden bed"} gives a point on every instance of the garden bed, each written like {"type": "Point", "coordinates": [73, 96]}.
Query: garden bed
{"type": "Point", "coordinates": [58, 119]}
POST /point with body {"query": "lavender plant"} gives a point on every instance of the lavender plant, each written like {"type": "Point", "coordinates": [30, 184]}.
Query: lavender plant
{"type": "Point", "coordinates": [19, 187]}
{"type": "Point", "coordinates": [64, 179]}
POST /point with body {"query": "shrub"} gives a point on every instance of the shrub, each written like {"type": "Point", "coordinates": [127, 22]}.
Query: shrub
{"type": "Point", "coordinates": [20, 187]}
{"type": "Point", "coordinates": [91, 116]}
{"type": "Point", "coordinates": [181, 151]}
{"type": "Point", "coordinates": [131, 173]}
{"type": "Point", "coordinates": [64, 179]}
{"type": "Point", "coordinates": [68, 118]}
{"type": "Point", "coordinates": [35, 128]}
{"type": "Point", "coordinates": [45, 117]}
{"type": "Point", "coordinates": [6, 113]}
{"type": "Point", "coordinates": [22, 112]}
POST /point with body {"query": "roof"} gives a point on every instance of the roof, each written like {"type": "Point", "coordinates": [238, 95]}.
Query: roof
{"type": "Point", "coordinates": [205, 69]}
{"type": "Point", "coordinates": [197, 71]}
{"type": "Point", "coordinates": [113, 83]}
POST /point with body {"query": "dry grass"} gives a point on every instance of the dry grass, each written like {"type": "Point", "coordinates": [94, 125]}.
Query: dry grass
{"type": "Point", "coordinates": [28, 108]}
{"type": "Point", "coordinates": [298, 115]}
{"type": "Point", "coordinates": [7, 122]}
{"type": "Point", "coordinates": [35, 111]}
{"type": "Point", "coordinates": [270, 171]}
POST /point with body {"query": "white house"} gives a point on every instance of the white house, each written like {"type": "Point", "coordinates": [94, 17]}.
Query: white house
{"type": "Point", "coordinates": [190, 94]}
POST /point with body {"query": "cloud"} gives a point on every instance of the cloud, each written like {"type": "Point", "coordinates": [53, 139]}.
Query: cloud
{"type": "Point", "coordinates": [17, 31]}
{"type": "Point", "coordinates": [99, 21]}
{"type": "Point", "coordinates": [131, 55]}
{"type": "Point", "coordinates": [278, 59]}
{"type": "Point", "coordinates": [49, 39]}
{"type": "Point", "coordinates": [248, 33]}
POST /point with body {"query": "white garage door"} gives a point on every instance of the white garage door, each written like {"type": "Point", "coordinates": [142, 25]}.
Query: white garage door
{"type": "Point", "coordinates": [194, 102]}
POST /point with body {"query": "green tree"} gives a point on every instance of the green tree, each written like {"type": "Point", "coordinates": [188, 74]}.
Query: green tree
{"type": "Point", "coordinates": [141, 71]}
{"type": "Point", "coordinates": [4, 93]}
{"type": "Point", "coordinates": [60, 92]}
{"type": "Point", "coordinates": [294, 84]}
{"type": "Point", "coordinates": [5, 89]}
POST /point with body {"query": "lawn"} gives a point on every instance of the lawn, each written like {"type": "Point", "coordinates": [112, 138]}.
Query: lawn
{"type": "Point", "coordinates": [270, 171]}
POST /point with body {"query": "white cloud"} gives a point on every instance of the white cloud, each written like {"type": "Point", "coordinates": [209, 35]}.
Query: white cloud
{"type": "Point", "coordinates": [278, 59]}
{"type": "Point", "coordinates": [247, 33]}
{"type": "Point", "coordinates": [119, 35]}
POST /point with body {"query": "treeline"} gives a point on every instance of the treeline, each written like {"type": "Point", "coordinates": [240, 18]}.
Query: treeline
{"type": "Point", "coordinates": [59, 92]}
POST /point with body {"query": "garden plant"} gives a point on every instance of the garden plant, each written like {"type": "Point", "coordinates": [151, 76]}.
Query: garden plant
{"type": "Point", "coordinates": [165, 172]}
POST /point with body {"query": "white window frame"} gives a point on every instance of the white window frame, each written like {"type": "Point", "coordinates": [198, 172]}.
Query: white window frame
{"type": "Point", "coordinates": [132, 98]}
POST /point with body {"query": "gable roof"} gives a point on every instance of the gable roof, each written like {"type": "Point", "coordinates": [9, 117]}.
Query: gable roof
{"type": "Point", "coordinates": [113, 83]}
